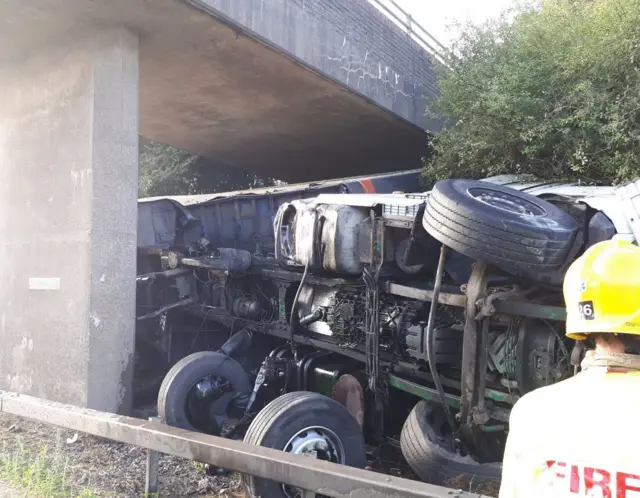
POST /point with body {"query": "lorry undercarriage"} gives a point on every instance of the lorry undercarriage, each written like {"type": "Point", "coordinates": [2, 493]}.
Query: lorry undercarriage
{"type": "Point", "coordinates": [377, 303]}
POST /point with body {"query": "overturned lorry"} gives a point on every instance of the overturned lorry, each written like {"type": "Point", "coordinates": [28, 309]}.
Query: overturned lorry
{"type": "Point", "coordinates": [359, 317]}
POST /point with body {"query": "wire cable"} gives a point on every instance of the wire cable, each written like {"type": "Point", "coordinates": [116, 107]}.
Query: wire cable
{"type": "Point", "coordinates": [294, 309]}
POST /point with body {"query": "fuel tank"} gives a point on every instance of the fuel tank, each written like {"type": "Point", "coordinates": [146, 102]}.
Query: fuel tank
{"type": "Point", "coordinates": [334, 238]}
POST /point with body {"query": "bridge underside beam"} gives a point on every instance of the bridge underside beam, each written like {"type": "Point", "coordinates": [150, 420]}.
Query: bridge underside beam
{"type": "Point", "coordinates": [207, 86]}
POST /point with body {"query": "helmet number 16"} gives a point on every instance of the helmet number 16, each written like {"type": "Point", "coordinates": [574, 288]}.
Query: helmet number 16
{"type": "Point", "coordinates": [586, 310]}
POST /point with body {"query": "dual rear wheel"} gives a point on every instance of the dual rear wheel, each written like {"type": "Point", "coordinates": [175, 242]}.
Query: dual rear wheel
{"type": "Point", "coordinates": [198, 390]}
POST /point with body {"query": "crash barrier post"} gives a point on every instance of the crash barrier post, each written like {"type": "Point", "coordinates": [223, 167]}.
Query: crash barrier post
{"type": "Point", "coordinates": [314, 476]}
{"type": "Point", "coordinates": [153, 459]}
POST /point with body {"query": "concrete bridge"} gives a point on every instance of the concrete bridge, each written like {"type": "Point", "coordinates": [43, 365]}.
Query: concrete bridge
{"type": "Point", "coordinates": [295, 89]}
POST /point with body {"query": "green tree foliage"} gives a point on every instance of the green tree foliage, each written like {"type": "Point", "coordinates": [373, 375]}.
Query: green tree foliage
{"type": "Point", "coordinates": [552, 89]}
{"type": "Point", "coordinates": [165, 170]}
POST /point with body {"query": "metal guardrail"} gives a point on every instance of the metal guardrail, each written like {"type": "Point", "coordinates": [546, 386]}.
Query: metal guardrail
{"type": "Point", "coordinates": [415, 30]}
{"type": "Point", "coordinates": [316, 476]}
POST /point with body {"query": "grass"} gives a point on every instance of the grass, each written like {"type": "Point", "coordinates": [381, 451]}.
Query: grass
{"type": "Point", "coordinates": [41, 466]}
{"type": "Point", "coordinates": [44, 474]}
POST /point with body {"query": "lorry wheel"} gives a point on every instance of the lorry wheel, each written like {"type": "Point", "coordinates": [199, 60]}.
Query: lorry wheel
{"type": "Point", "coordinates": [517, 232]}
{"type": "Point", "coordinates": [427, 445]}
{"type": "Point", "coordinates": [196, 392]}
{"type": "Point", "coordinates": [309, 424]}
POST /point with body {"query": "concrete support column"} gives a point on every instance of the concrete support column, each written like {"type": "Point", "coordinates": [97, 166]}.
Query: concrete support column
{"type": "Point", "coordinates": [68, 219]}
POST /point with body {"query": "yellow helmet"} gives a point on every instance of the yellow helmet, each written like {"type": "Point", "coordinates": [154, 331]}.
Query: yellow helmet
{"type": "Point", "coordinates": [602, 290]}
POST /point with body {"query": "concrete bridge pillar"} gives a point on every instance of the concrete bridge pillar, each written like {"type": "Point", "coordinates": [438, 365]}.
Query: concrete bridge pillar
{"type": "Point", "coordinates": [68, 218]}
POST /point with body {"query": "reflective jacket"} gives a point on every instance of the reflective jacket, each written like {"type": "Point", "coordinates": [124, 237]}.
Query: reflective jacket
{"type": "Point", "coordinates": [578, 437]}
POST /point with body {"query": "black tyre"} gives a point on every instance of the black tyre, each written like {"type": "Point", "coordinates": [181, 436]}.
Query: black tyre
{"type": "Point", "coordinates": [515, 231]}
{"type": "Point", "coordinates": [190, 391]}
{"type": "Point", "coordinates": [427, 445]}
{"type": "Point", "coordinates": [296, 422]}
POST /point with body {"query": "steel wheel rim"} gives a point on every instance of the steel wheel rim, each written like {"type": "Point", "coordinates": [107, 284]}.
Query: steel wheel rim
{"type": "Point", "coordinates": [506, 202]}
{"type": "Point", "coordinates": [314, 442]}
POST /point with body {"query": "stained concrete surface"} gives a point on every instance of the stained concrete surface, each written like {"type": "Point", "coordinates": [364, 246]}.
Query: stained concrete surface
{"type": "Point", "coordinates": [69, 124]}
{"type": "Point", "coordinates": [207, 85]}
{"type": "Point", "coordinates": [350, 41]}
{"type": "Point", "coordinates": [68, 212]}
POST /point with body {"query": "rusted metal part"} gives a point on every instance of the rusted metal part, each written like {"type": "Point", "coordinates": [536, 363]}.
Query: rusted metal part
{"type": "Point", "coordinates": [486, 306]}
{"type": "Point", "coordinates": [398, 222]}
{"type": "Point", "coordinates": [480, 416]}
{"type": "Point", "coordinates": [322, 477]}
{"type": "Point", "coordinates": [475, 290]}
{"type": "Point", "coordinates": [349, 393]}
{"type": "Point", "coordinates": [447, 298]}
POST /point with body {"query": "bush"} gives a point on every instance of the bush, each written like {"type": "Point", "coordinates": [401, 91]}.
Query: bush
{"type": "Point", "coordinates": [552, 90]}
{"type": "Point", "coordinates": [166, 170]}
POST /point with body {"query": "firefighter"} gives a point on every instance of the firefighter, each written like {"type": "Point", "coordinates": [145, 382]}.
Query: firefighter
{"type": "Point", "coordinates": [579, 437]}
